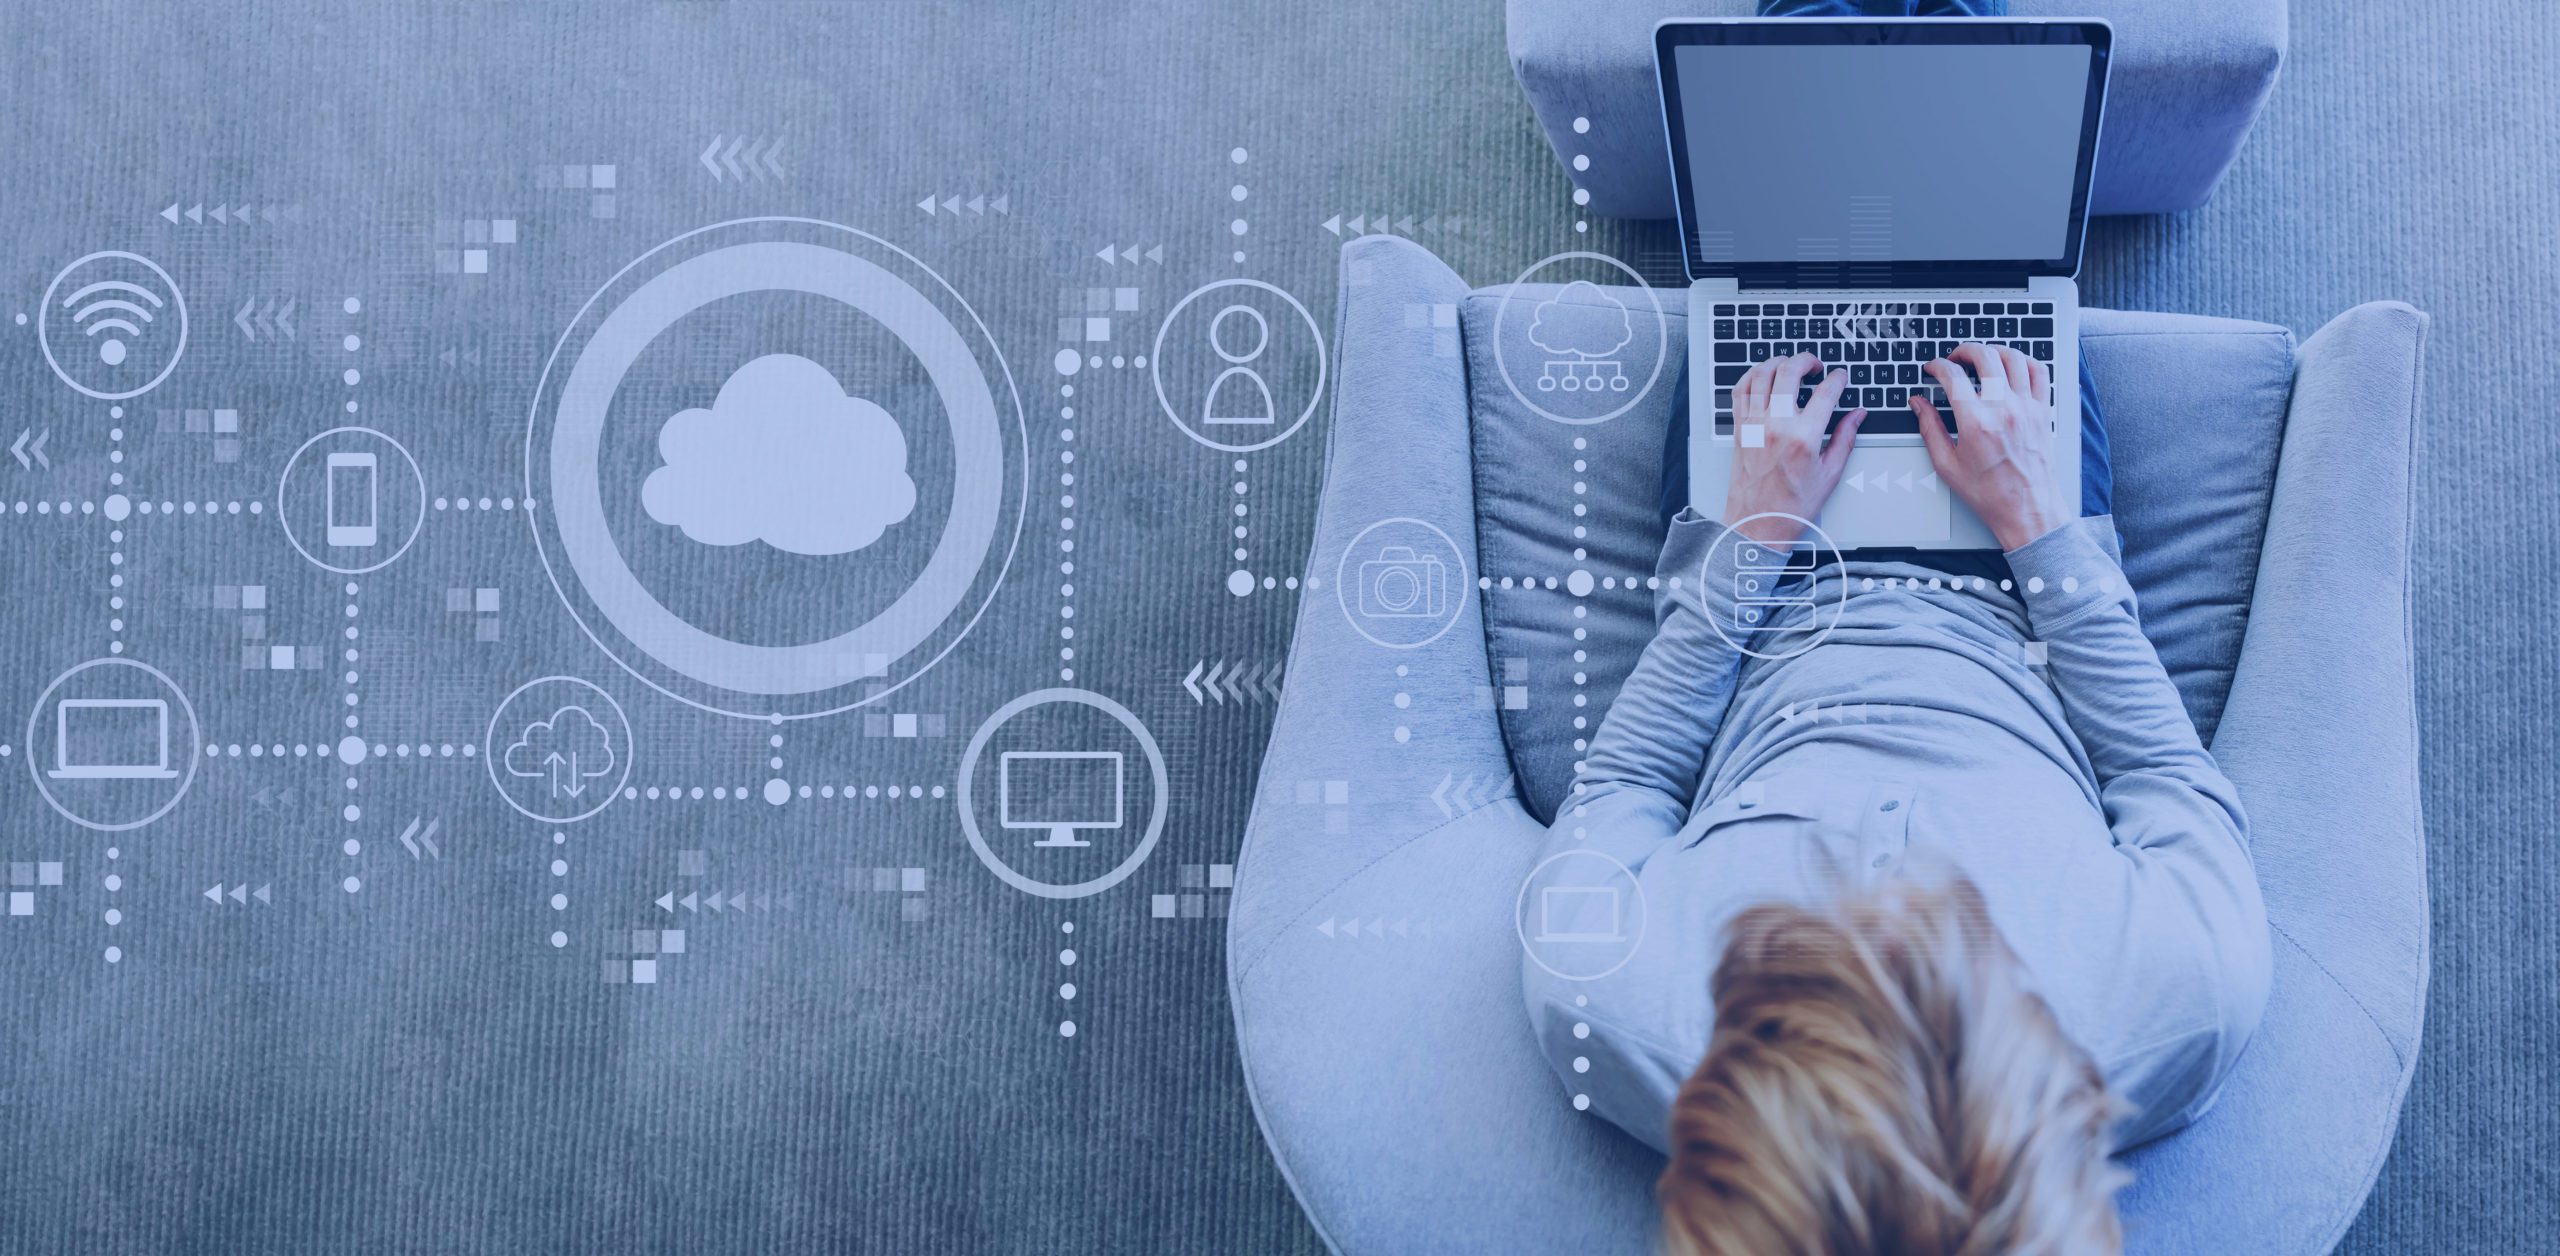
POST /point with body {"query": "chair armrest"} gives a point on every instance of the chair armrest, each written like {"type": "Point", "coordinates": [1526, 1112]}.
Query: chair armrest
{"type": "Point", "coordinates": [2320, 733]}
{"type": "Point", "coordinates": [1338, 790]}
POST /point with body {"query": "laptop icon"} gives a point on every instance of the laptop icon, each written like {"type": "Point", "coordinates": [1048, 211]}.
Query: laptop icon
{"type": "Point", "coordinates": [1578, 913]}
{"type": "Point", "coordinates": [121, 739]}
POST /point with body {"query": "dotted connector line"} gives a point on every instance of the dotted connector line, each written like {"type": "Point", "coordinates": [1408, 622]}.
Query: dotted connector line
{"type": "Point", "coordinates": [1581, 194]}
{"type": "Point", "coordinates": [1066, 530]}
{"type": "Point", "coordinates": [352, 699]}
{"type": "Point", "coordinates": [1066, 989]}
{"type": "Point", "coordinates": [1237, 226]}
{"type": "Point", "coordinates": [742, 793]}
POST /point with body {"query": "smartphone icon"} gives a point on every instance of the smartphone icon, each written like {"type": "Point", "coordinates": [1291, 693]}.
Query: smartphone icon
{"type": "Point", "coordinates": [351, 500]}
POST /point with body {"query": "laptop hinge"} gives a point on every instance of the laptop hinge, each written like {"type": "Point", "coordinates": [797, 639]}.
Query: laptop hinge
{"type": "Point", "coordinates": [1931, 278]}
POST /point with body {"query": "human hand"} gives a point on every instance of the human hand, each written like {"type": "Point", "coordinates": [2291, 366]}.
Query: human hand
{"type": "Point", "coordinates": [2000, 459]}
{"type": "Point", "coordinates": [1780, 466]}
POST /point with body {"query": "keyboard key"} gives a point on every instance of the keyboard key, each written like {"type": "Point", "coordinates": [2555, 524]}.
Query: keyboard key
{"type": "Point", "coordinates": [1832, 352]}
{"type": "Point", "coordinates": [1854, 351]}
{"type": "Point", "coordinates": [1798, 310]}
{"type": "Point", "coordinates": [1946, 348]}
{"type": "Point", "coordinates": [1724, 329]}
{"type": "Point", "coordinates": [1858, 374]}
{"type": "Point", "coordinates": [1883, 422]}
{"type": "Point", "coordinates": [1937, 328]}
{"type": "Point", "coordinates": [1902, 351]}
{"type": "Point", "coordinates": [1968, 307]}
{"type": "Point", "coordinates": [1896, 398]}
{"type": "Point", "coordinates": [1944, 307]}
{"type": "Point", "coordinates": [2036, 328]}
{"type": "Point", "coordinates": [1724, 399]}
{"type": "Point", "coordinates": [2008, 329]}
{"type": "Point", "coordinates": [1728, 375]}
{"type": "Point", "coordinates": [1749, 311]}
{"type": "Point", "coordinates": [1821, 310]}
{"type": "Point", "coordinates": [1783, 349]}
{"type": "Point", "coordinates": [1908, 372]}
{"type": "Point", "coordinates": [1727, 351]}
{"type": "Point", "coordinates": [1760, 352]}
{"type": "Point", "coordinates": [1724, 311]}
{"type": "Point", "coordinates": [2044, 351]}
{"type": "Point", "coordinates": [1795, 326]}
{"type": "Point", "coordinates": [1748, 329]}
{"type": "Point", "coordinates": [1871, 398]}
{"type": "Point", "coordinates": [1961, 328]}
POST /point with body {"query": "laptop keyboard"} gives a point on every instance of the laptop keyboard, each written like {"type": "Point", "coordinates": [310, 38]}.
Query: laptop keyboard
{"type": "Point", "coordinates": [1881, 344]}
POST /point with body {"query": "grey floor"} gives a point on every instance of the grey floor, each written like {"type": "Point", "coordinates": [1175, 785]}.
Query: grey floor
{"type": "Point", "coordinates": [416, 1073]}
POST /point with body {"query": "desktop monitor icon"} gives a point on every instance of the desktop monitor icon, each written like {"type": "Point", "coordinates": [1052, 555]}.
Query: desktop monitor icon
{"type": "Point", "coordinates": [111, 739]}
{"type": "Point", "coordinates": [1578, 913]}
{"type": "Point", "coordinates": [1061, 791]}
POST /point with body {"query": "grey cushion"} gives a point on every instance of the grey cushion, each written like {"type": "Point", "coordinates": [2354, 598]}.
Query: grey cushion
{"type": "Point", "coordinates": [2188, 79]}
{"type": "Point", "coordinates": [2194, 410]}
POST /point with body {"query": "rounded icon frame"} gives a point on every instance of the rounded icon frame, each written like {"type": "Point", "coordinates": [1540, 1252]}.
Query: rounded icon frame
{"type": "Point", "coordinates": [284, 517]}
{"type": "Point", "coordinates": [44, 314]}
{"type": "Point", "coordinates": [1457, 608]}
{"type": "Point", "coordinates": [1520, 914]}
{"type": "Point", "coordinates": [194, 746]}
{"type": "Point", "coordinates": [695, 643]}
{"type": "Point", "coordinates": [1733, 534]}
{"type": "Point", "coordinates": [1661, 337]}
{"type": "Point", "coordinates": [1155, 362]}
{"type": "Point", "coordinates": [967, 807]}
{"type": "Point", "coordinates": [491, 750]}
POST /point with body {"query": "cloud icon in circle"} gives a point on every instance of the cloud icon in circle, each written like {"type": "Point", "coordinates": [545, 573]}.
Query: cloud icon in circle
{"type": "Point", "coordinates": [785, 456]}
{"type": "Point", "coordinates": [571, 748]}
{"type": "Point", "coordinates": [1581, 320]}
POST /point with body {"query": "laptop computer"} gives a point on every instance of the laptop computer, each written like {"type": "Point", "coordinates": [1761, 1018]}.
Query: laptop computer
{"type": "Point", "coordinates": [1877, 192]}
{"type": "Point", "coordinates": [111, 739]}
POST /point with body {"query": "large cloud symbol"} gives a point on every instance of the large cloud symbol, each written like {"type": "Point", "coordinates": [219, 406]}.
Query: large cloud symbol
{"type": "Point", "coordinates": [1581, 320]}
{"type": "Point", "coordinates": [785, 456]}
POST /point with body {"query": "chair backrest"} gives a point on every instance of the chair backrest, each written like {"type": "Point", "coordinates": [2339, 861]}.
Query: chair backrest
{"type": "Point", "coordinates": [1569, 521]}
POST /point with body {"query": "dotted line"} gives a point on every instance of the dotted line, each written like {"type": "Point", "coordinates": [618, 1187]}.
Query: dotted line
{"type": "Point", "coordinates": [352, 700]}
{"type": "Point", "coordinates": [741, 793]}
{"type": "Point", "coordinates": [467, 504]}
{"type": "Point", "coordinates": [560, 898]}
{"type": "Point", "coordinates": [352, 343]}
{"type": "Point", "coordinates": [1067, 959]}
{"type": "Point", "coordinates": [1066, 524]}
{"type": "Point", "coordinates": [1237, 226]}
{"type": "Point", "coordinates": [300, 749]}
{"type": "Point", "coordinates": [1581, 194]}
{"type": "Point", "coordinates": [114, 915]}
{"type": "Point", "coordinates": [1578, 583]}
{"type": "Point", "coordinates": [1403, 701]}
{"type": "Point", "coordinates": [1581, 1063]}
{"type": "Point", "coordinates": [1242, 489]}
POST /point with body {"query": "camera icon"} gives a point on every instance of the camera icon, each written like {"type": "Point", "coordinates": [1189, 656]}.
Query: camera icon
{"type": "Point", "coordinates": [1401, 584]}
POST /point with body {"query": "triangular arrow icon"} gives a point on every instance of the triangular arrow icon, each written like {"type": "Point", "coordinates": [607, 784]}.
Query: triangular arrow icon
{"type": "Point", "coordinates": [214, 895]}
{"type": "Point", "coordinates": [1904, 481]}
{"type": "Point", "coordinates": [1002, 204]}
{"type": "Point", "coordinates": [926, 205]}
{"type": "Point", "coordinates": [1358, 225]}
{"type": "Point", "coordinates": [265, 893]}
{"type": "Point", "coordinates": [1326, 928]}
{"type": "Point", "coordinates": [1156, 254]}
{"type": "Point", "coordinates": [1351, 928]}
{"type": "Point", "coordinates": [951, 204]}
{"type": "Point", "coordinates": [1130, 255]}
{"type": "Point", "coordinates": [978, 205]}
{"type": "Point", "coordinates": [1333, 224]}
{"type": "Point", "coordinates": [1858, 480]}
{"type": "Point", "coordinates": [1106, 254]}
{"type": "Point", "coordinates": [667, 901]}
{"type": "Point", "coordinates": [240, 892]}
{"type": "Point", "coordinates": [689, 903]}
{"type": "Point", "coordinates": [222, 213]}
{"type": "Point", "coordinates": [170, 213]}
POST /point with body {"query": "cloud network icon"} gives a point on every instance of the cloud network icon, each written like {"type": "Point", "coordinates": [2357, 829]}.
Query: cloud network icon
{"type": "Point", "coordinates": [786, 456]}
{"type": "Point", "coordinates": [1582, 321]}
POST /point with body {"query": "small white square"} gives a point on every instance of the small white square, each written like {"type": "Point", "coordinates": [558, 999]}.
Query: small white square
{"type": "Point", "coordinates": [49, 873]}
{"type": "Point", "coordinates": [1222, 876]}
{"type": "Point", "coordinates": [670, 941]}
{"type": "Point", "coordinates": [1160, 906]}
{"type": "Point", "coordinates": [280, 658]}
{"type": "Point", "coordinates": [475, 261]}
{"type": "Point", "coordinates": [226, 421]}
{"type": "Point", "coordinates": [1124, 300]}
{"type": "Point", "coordinates": [502, 231]}
{"type": "Point", "coordinates": [1754, 435]}
{"type": "Point", "coordinates": [253, 597]}
{"type": "Point", "coordinates": [2035, 653]}
{"type": "Point", "coordinates": [1515, 697]}
{"type": "Point", "coordinates": [1337, 793]}
{"type": "Point", "coordinates": [1097, 329]}
{"type": "Point", "coordinates": [485, 601]}
{"type": "Point", "coordinates": [903, 724]}
{"type": "Point", "coordinates": [644, 972]}
{"type": "Point", "coordinates": [911, 880]}
{"type": "Point", "coordinates": [1444, 315]}
{"type": "Point", "coordinates": [23, 902]}
{"type": "Point", "coordinates": [600, 177]}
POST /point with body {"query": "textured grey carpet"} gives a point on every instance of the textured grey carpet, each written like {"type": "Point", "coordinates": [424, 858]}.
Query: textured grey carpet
{"type": "Point", "coordinates": [413, 1068]}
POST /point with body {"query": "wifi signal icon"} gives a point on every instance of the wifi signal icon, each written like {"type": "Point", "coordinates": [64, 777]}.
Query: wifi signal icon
{"type": "Point", "coordinates": [123, 321]}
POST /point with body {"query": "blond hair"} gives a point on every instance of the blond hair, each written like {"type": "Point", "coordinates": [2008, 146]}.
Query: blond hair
{"type": "Point", "coordinates": [1879, 1080]}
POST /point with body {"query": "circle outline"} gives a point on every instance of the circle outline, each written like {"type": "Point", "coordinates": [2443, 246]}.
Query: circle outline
{"type": "Point", "coordinates": [968, 811]}
{"type": "Point", "coordinates": [44, 314]}
{"type": "Point", "coordinates": [1732, 531]}
{"type": "Point", "coordinates": [285, 518]}
{"type": "Point", "coordinates": [1013, 545]}
{"type": "Point", "coordinates": [1466, 583]}
{"type": "Point", "coordinates": [1661, 336]}
{"type": "Point", "coordinates": [1520, 912]}
{"type": "Point", "coordinates": [491, 752]}
{"type": "Point", "coordinates": [1155, 363]}
{"type": "Point", "coordinates": [194, 751]}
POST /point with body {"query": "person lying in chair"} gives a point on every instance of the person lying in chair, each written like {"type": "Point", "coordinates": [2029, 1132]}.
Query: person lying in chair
{"type": "Point", "coordinates": [1978, 905]}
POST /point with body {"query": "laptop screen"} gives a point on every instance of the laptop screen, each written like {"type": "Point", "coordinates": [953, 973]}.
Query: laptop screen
{"type": "Point", "coordinates": [1871, 161]}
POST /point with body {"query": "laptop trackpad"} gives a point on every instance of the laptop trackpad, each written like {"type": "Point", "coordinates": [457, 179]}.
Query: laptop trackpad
{"type": "Point", "coordinates": [1890, 496]}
